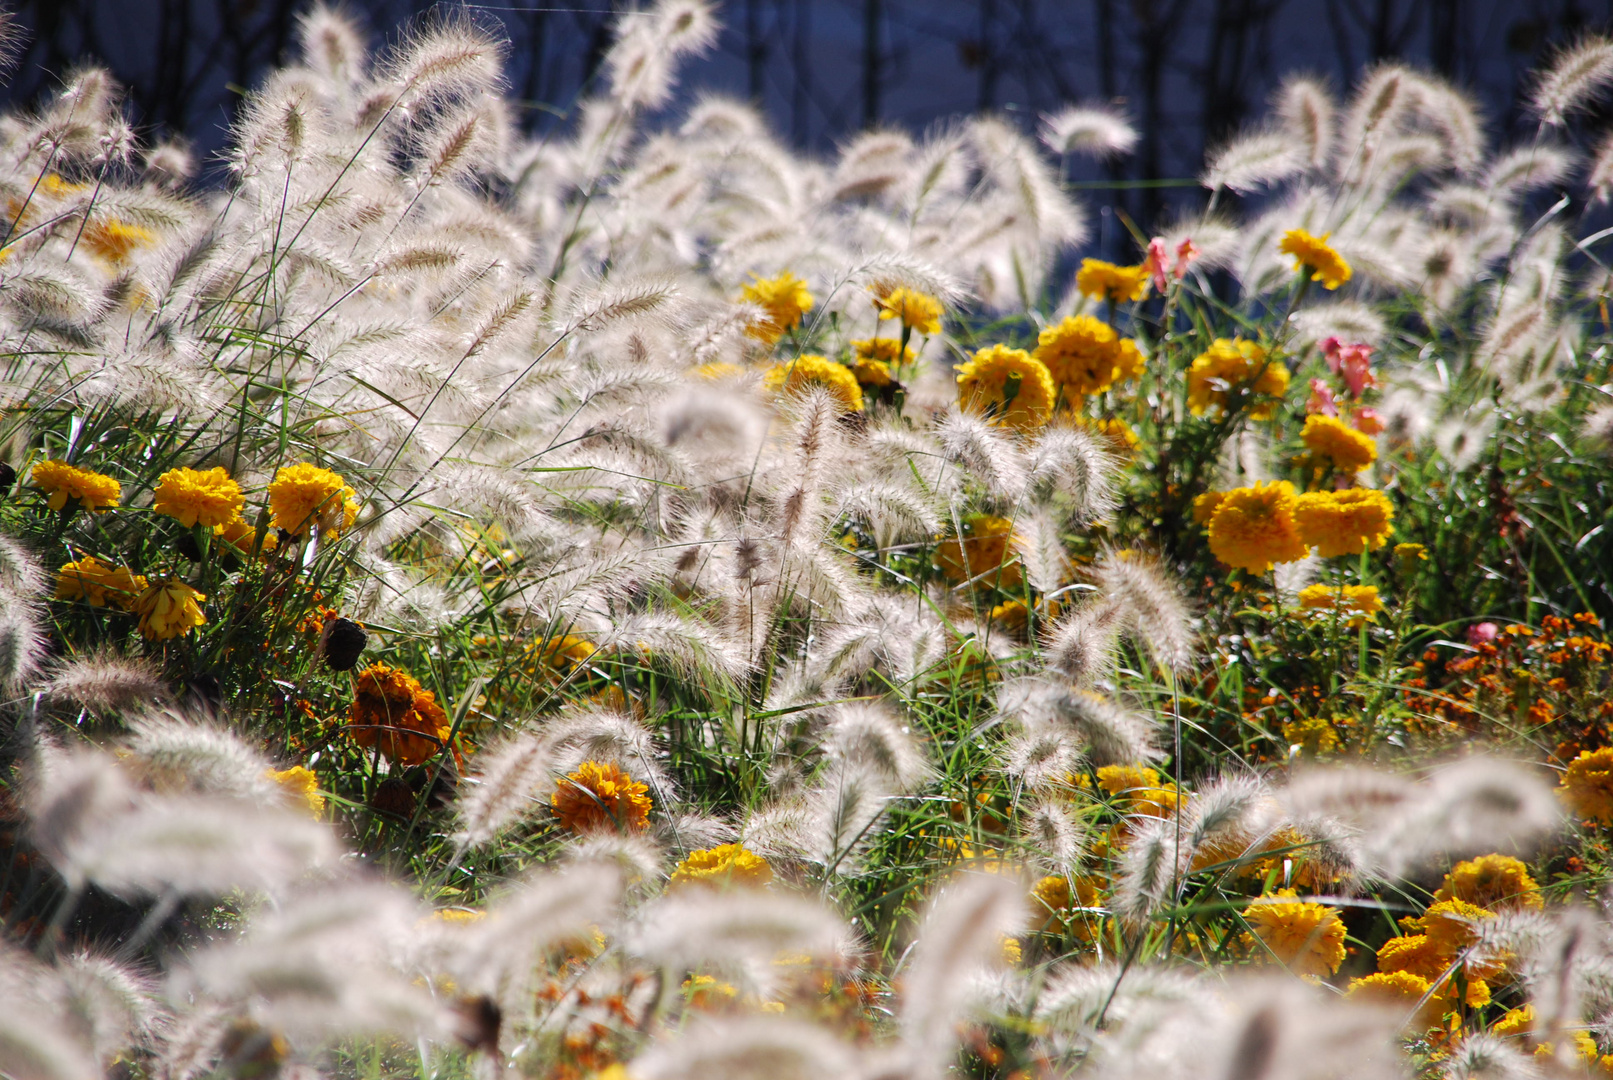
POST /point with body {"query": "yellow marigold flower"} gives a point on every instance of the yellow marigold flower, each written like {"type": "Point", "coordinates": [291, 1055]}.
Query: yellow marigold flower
{"type": "Point", "coordinates": [1007, 385]}
{"type": "Point", "coordinates": [1313, 251]}
{"type": "Point", "coordinates": [1496, 882]}
{"type": "Point", "coordinates": [1400, 990]}
{"type": "Point", "coordinates": [600, 795]}
{"type": "Point", "coordinates": [809, 369]}
{"type": "Point", "coordinates": [393, 714]}
{"type": "Point", "coordinates": [1345, 522]}
{"type": "Point", "coordinates": [198, 496]}
{"type": "Point", "coordinates": [986, 546]}
{"type": "Point", "coordinates": [1205, 506]}
{"type": "Point", "coordinates": [1519, 1022]}
{"type": "Point", "coordinates": [1255, 527]}
{"type": "Point", "coordinates": [726, 864]}
{"type": "Point", "coordinates": [1587, 785]}
{"type": "Point", "coordinates": [1358, 601]}
{"type": "Point", "coordinates": [455, 916]}
{"type": "Point", "coordinates": [1585, 1050]}
{"type": "Point", "coordinates": [716, 371]}
{"type": "Point", "coordinates": [1084, 356]}
{"type": "Point", "coordinates": [1119, 435]}
{"type": "Point", "coordinates": [169, 609]}
{"type": "Point", "coordinates": [1345, 448]}
{"type": "Point", "coordinates": [1012, 953]}
{"type": "Point", "coordinates": [918, 310]}
{"type": "Point", "coordinates": [305, 495]}
{"type": "Point", "coordinates": [1107, 281]}
{"type": "Point", "coordinates": [883, 349]}
{"type": "Point", "coordinates": [302, 785]}
{"type": "Point", "coordinates": [874, 373]}
{"type": "Point", "coordinates": [1235, 366]}
{"type": "Point", "coordinates": [241, 535]}
{"type": "Point", "coordinates": [783, 300]}
{"type": "Point", "coordinates": [1407, 554]}
{"type": "Point", "coordinates": [1054, 908]}
{"type": "Point", "coordinates": [1140, 787]}
{"type": "Point", "coordinates": [1413, 953]}
{"type": "Point", "coordinates": [1452, 926]}
{"type": "Point", "coordinates": [62, 482]}
{"type": "Point", "coordinates": [115, 240]}
{"type": "Point", "coordinates": [1314, 735]}
{"type": "Point", "coordinates": [94, 582]}
{"type": "Point", "coordinates": [1306, 937]}
{"type": "Point", "coordinates": [705, 992]}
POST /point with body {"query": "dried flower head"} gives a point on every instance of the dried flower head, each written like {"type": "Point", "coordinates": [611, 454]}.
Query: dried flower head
{"type": "Point", "coordinates": [394, 714]}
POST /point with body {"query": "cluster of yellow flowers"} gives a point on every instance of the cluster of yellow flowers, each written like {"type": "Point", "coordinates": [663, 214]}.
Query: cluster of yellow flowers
{"type": "Point", "coordinates": [1085, 356]}
{"type": "Point", "coordinates": [301, 496]}
{"type": "Point", "coordinates": [1421, 969]}
{"type": "Point", "coordinates": [1253, 528]}
{"type": "Point", "coordinates": [1359, 602]}
{"type": "Point", "coordinates": [784, 300]}
{"type": "Point", "coordinates": [1232, 371]}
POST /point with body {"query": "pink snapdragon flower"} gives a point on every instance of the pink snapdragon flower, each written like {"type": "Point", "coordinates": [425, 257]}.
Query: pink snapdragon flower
{"type": "Point", "coordinates": [1156, 262]}
{"type": "Point", "coordinates": [1321, 399]}
{"type": "Point", "coordinates": [1367, 421]}
{"type": "Point", "coordinates": [1352, 363]}
{"type": "Point", "coordinates": [1482, 633]}
{"type": "Point", "coordinates": [1186, 252]}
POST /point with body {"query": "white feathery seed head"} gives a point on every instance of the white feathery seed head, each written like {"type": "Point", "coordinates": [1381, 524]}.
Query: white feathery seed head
{"type": "Point", "coordinates": [1576, 78]}
{"type": "Point", "coordinates": [1094, 132]}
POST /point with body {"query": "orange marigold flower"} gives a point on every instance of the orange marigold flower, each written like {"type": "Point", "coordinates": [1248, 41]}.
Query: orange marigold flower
{"type": "Point", "coordinates": [198, 496]}
{"type": "Point", "coordinates": [1345, 522]}
{"type": "Point", "coordinates": [394, 714]}
{"type": "Point", "coordinates": [1587, 785]}
{"type": "Point", "coordinates": [1402, 990]}
{"type": "Point", "coordinates": [600, 795]}
{"type": "Point", "coordinates": [721, 866]}
{"type": "Point", "coordinates": [1085, 356]}
{"type": "Point", "coordinates": [986, 546]}
{"type": "Point", "coordinates": [809, 370]}
{"type": "Point", "coordinates": [1359, 602]}
{"type": "Point", "coordinates": [63, 482]}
